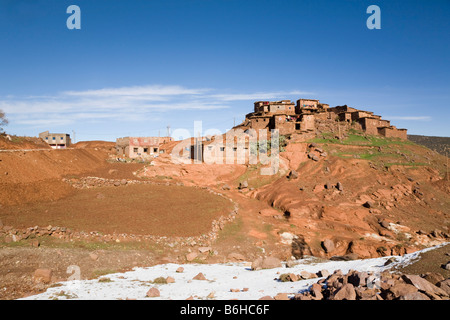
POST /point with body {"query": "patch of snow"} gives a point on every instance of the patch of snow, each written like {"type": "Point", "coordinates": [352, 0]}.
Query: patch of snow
{"type": "Point", "coordinates": [221, 278]}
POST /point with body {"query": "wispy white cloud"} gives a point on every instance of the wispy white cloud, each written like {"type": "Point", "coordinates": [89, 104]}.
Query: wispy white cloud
{"type": "Point", "coordinates": [151, 92]}
{"type": "Point", "coordinates": [258, 95]}
{"type": "Point", "coordinates": [131, 104]}
{"type": "Point", "coordinates": [410, 118]}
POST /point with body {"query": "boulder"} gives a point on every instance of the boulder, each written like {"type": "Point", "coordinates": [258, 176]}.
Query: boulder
{"type": "Point", "coordinates": [293, 174]}
{"type": "Point", "coordinates": [446, 266]}
{"type": "Point", "coordinates": [385, 224]}
{"type": "Point", "coordinates": [414, 296]}
{"type": "Point", "coordinates": [199, 276]}
{"type": "Point", "coordinates": [402, 289]}
{"type": "Point", "coordinates": [293, 277]}
{"type": "Point", "coordinates": [204, 249]}
{"type": "Point", "coordinates": [281, 296]}
{"type": "Point", "coordinates": [179, 270]}
{"type": "Point", "coordinates": [170, 280]}
{"type": "Point", "coordinates": [257, 264]}
{"type": "Point", "coordinates": [270, 263]}
{"type": "Point", "coordinates": [243, 184]}
{"type": "Point", "coordinates": [316, 291]}
{"type": "Point", "coordinates": [226, 187]}
{"type": "Point", "coordinates": [35, 243]}
{"type": "Point", "coordinates": [287, 238]}
{"type": "Point", "coordinates": [358, 278]}
{"type": "Point", "coordinates": [328, 245]}
{"type": "Point", "coordinates": [266, 263]}
{"type": "Point", "coordinates": [339, 186]}
{"type": "Point", "coordinates": [191, 256]}
{"type": "Point", "coordinates": [444, 285]}
{"type": "Point", "coordinates": [153, 292]}
{"type": "Point", "coordinates": [266, 298]}
{"type": "Point", "coordinates": [433, 277]}
{"type": "Point", "coordinates": [43, 275]}
{"type": "Point", "coordinates": [323, 273]}
{"type": "Point", "coordinates": [307, 275]}
{"type": "Point", "coordinates": [423, 285]}
{"type": "Point", "coordinates": [288, 277]}
{"type": "Point", "coordinates": [346, 292]}
{"type": "Point", "coordinates": [362, 293]}
{"type": "Point", "coordinates": [313, 157]}
{"type": "Point", "coordinates": [368, 204]}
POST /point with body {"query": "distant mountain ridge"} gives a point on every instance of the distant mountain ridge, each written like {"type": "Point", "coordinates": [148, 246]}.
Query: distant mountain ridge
{"type": "Point", "coordinates": [438, 144]}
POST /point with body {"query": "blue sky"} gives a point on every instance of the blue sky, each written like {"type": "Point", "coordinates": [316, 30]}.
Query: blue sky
{"type": "Point", "coordinates": [136, 67]}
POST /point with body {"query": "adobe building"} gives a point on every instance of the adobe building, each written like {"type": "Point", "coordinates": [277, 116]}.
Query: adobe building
{"type": "Point", "coordinates": [140, 147]}
{"type": "Point", "coordinates": [56, 140]}
{"type": "Point", "coordinates": [303, 120]}
{"type": "Point", "coordinates": [304, 116]}
{"type": "Point", "coordinates": [285, 115]}
{"type": "Point", "coordinates": [368, 122]}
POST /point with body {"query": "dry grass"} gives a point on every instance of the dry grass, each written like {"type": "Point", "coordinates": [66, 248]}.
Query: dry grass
{"type": "Point", "coordinates": [430, 261]}
{"type": "Point", "coordinates": [134, 209]}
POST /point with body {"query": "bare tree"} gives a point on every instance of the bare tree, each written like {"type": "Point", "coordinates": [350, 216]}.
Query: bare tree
{"type": "Point", "coordinates": [3, 120]}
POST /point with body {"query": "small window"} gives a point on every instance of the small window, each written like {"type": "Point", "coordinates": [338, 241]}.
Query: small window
{"type": "Point", "coordinates": [46, 138]}
{"type": "Point", "coordinates": [135, 149]}
{"type": "Point", "coordinates": [54, 138]}
{"type": "Point", "coordinates": [145, 149]}
{"type": "Point", "coordinates": [155, 149]}
{"type": "Point", "coordinates": [222, 148]}
{"type": "Point", "coordinates": [234, 149]}
{"type": "Point", "coordinates": [61, 138]}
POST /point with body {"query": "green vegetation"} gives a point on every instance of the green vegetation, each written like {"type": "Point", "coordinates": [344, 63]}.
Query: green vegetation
{"type": "Point", "coordinates": [232, 230]}
{"type": "Point", "coordinates": [285, 277]}
{"type": "Point", "coordinates": [358, 138]}
{"type": "Point", "coordinates": [379, 150]}
{"type": "Point", "coordinates": [101, 272]}
{"type": "Point", "coordinates": [163, 177]}
{"type": "Point", "coordinates": [408, 164]}
{"type": "Point", "coordinates": [91, 245]}
{"type": "Point", "coordinates": [159, 280]}
{"type": "Point", "coordinates": [255, 179]}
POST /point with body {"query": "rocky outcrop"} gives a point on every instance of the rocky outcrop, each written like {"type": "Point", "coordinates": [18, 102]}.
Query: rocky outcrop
{"type": "Point", "coordinates": [375, 286]}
